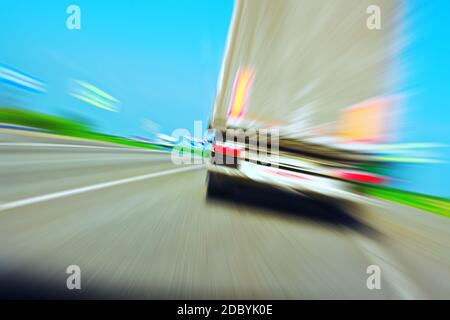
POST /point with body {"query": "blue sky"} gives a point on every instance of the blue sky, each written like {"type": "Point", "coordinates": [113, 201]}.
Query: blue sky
{"type": "Point", "coordinates": [426, 116]}
{"type": "Point", "coordinates": [161, 59]}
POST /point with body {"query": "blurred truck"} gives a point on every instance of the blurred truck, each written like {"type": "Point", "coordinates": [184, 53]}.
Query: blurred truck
{"type": "Point", "coordinates": [301, 99]}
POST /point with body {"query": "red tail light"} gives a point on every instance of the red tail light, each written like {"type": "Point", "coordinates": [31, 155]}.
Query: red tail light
{"type": "Point", "coordinates": [364, 177]}
{"type": "Point", "coordinates": [227, 150]}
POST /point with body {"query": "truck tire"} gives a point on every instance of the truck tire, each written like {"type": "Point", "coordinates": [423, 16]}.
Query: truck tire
{"type": "Point", "coordinates": [216, 186]}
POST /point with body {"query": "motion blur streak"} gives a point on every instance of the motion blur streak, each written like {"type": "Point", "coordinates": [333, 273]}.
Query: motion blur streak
{"type": "Point", "coordinates": [94, 96]}
{"type": "Point", "coordinates": [21, 80]}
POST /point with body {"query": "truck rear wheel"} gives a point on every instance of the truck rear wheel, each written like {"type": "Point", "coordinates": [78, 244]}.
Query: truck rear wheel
{"type": "Point", "coordinates": [216, 185]}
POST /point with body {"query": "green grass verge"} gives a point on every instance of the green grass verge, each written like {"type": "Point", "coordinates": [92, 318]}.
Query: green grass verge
{"type": "Point", "coordinates": [40, 120]}
{"type": "Point", "coordinates": [90, 135]}
{"type": "Point", "coordinates": [66, 127]}
{"type": "Point", "coordinates": [435, 205]}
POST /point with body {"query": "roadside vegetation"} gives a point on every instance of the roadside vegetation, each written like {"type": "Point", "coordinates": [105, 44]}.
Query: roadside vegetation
{"type": "Point", "coordinates": [435, 205]}
{"type": "Point", "coordinates": [62, 126]}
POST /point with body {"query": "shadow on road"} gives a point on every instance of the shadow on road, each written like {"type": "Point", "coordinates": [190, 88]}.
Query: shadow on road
{"type": "Point", "coordinates": [25, 284]}
{"type": "Point", "coordinates": [288, 204]}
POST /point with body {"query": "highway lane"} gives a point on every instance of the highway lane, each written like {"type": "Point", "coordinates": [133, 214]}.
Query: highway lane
{"type": "Point", "coordinates": [34, 169]}
{"type": "Point", "coordinates": [160, 237]}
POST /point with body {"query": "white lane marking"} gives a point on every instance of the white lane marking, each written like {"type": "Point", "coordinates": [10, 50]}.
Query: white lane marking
{"type": "Point", "coordinates": [61, 145]}
{"type": "Point", "coordinates": [70, 192]}
{"type": "Point", "coordinates": [30, 163]}
{"type": "Point", "coordinates": [403, 286]}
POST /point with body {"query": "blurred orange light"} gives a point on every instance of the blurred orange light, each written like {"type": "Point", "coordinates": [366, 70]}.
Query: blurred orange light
{"type": "Point", "coordinates": [240, 94]}
{"type": "Point", "coordinates": [365, 122]}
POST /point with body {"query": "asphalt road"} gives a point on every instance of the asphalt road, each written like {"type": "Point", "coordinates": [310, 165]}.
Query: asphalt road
{"type": "Point", "coordinates": [139, 226]}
